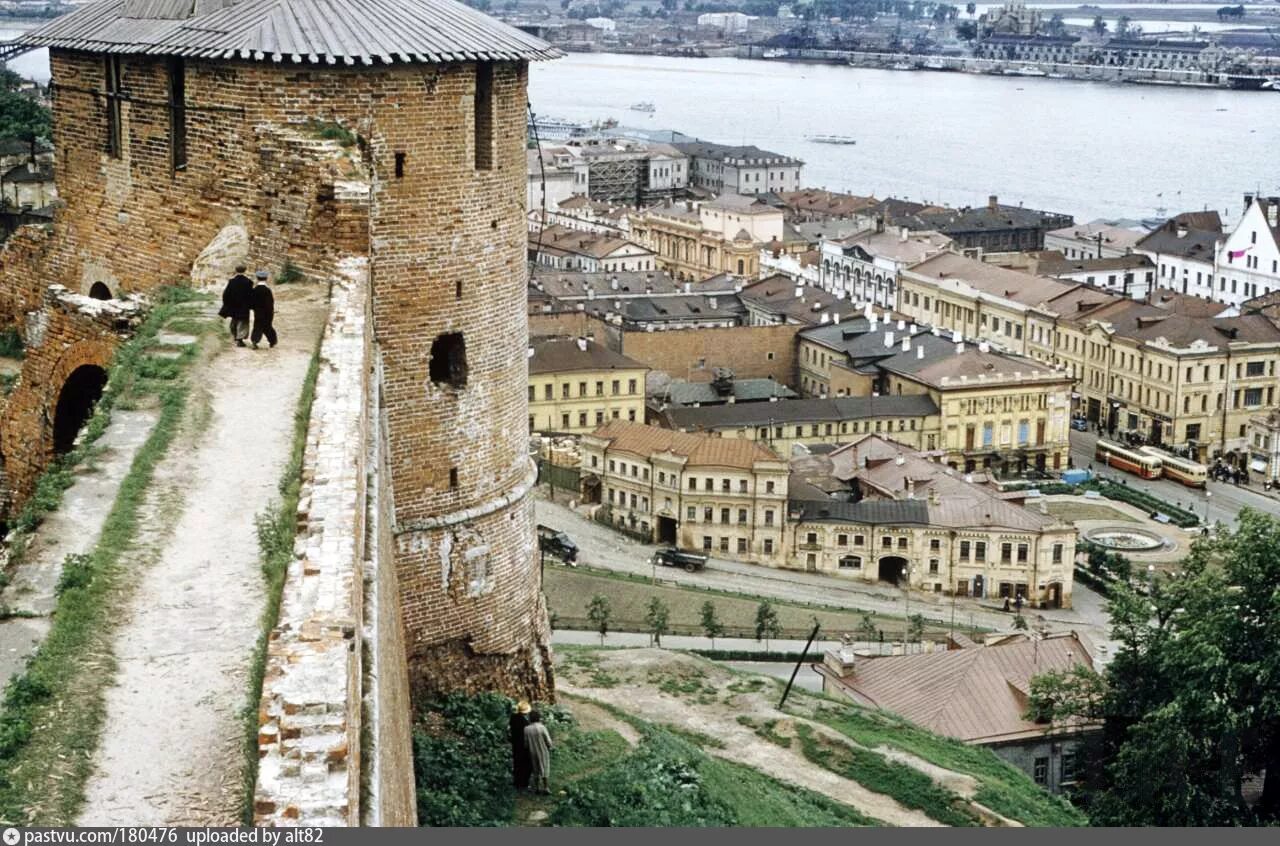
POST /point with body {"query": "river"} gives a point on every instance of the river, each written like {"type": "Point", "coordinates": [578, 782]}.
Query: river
{"type": "Point", "coordinates": [1087, 149]}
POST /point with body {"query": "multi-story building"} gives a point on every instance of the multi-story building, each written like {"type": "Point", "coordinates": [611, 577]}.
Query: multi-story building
{"type": "Point", "coordinates": [864, 267]}
{"type": "Point", "coordinates": [819, 204]}
{"type": "Point", "coordinates": [589, 252]}
{"type": "Point", "coordinates": [1097, 239]}
{"type": "Point", "coordinates": [584, 215]}
{"type": "Point", "coordinates": [722, 496]}
{"type": "Point", "coordinates": [996, 411]}
{"type": "Point", "coordinates": [1248, 260]}
{"type": "Point", "coordinates": [778, 299]}
{"type": "Point", "coordinates": [1132, 276]}
{"type": "Point", "coordinates": [723, 169]}
{"type": "Point", "coordinates": [995, 227]}
{"type": "Point", "coordinates": [556, 173]}
{"type": "Point", "coordinates": [1185, 252]}
{"type": "Point", "coordinates": [1263, 437]}
{"type": "Point", "coordinates": [634, 172]}
{"type": "Point", "coordinates": [912, 419]}
{"type": "Point", "coordinates": [876, 510]}
{"type": "Point", "coordinates": [725, 235]}
{"type": "Point", "coordinates": [577, 385]}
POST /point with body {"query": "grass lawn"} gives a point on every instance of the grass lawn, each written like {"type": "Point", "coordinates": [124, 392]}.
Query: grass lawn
{"type": "Point", "coordinates": [1073, 511]}
{"type": "Point", "coordinates": [570, 590]}
{"type": "Point", "coordinates": [1005, 790]}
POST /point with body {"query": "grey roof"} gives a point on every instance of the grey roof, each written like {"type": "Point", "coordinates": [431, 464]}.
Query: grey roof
{"type": "Point", "coordinates": [1192, 243]}
{"type": "Point", "coordinates": [800, 411]}
{"type": "Point", "coordinates": [869, 511]}
{"type": "Point", "coordinates": [319, 31]}
{"type": "Point", "coordinates": [744, 390]}
{"type": "Point", "coordinates": [564, 355]}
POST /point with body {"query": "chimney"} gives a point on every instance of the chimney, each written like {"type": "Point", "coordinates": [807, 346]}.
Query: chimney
{"type": "Point", "coordinates": [880, 222]}
{"type": "Point", "coordinates": [613, 283]}
{"type": "Point", "coordinates": [906, 344]}
{"type": "Point", "coordinates": [711, 302]}
{"type": "Point", "coordinates": [835, 318]}
{"type": "Point", "coordinates": [688, 287]}
{"type": "Point", "coordinates": [903, 234]}
{"type": "Point", "coordinates": [899, 460]}
{"type": "Point", "coordinates": [1248, 201]}
{"type": "Point", "coordinates": [910, 486]}
{"type": "Point", "coordinates": [993, 203]}
{"type": "Point", "coordinates": [888, 340]}
{"type": "Point", "coordinates": [902, 324]}
{"type": "Point", "coordinates": [582, 344]}
{"type": "Point", "coordinates": [919, 353]}
{"type": "Point", "coordinates": [823, 321]}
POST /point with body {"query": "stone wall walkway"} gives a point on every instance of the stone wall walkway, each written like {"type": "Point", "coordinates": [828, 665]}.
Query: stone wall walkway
{"type": "Point", "coordinates": [172, 749]}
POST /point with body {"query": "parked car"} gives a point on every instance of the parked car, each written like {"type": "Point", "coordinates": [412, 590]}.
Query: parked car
{"type": "Point", "coordinates": [557, 543]}
{"type": "Point", "coordinates": [672, 557]}
{"type": "Point", "coordinates": [1079, 424]}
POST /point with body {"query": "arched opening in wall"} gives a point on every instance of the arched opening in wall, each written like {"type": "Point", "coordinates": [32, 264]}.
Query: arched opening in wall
{"type": "Point", "coordinates": [893, 569]}
{"type": "Point", "coordinates": [80, 393]}
{"type": "Point", "coordinates": [448, 364]}
{"type": "Point", "coordinates": [99, 291]}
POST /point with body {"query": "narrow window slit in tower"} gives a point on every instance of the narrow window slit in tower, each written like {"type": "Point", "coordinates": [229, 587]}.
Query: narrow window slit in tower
{"type": "Point", "coordinates": [399, 165]}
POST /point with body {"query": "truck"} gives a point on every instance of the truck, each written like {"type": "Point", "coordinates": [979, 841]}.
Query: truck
{"type": "Point", "coordinates": [557, 544]}
{"type": "Point", "coordinates": [672, 557]}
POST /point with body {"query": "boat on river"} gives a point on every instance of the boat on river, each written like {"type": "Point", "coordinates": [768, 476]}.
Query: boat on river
{"type": "Point", "coordinates": [641, 107]}
{"type": "Point", "coordinates": [831, 139]}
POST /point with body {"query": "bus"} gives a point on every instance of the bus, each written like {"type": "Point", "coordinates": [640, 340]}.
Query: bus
{"type": "Point", "coordinates": [1132, 461]}
{"type": "Point", "coordinates": [1184, 470]}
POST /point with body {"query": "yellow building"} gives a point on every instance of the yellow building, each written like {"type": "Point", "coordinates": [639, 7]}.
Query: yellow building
{"type": "Point", "coordinates": [996, 411]}
{"type": "Point", "coordinates": [725, 235]}
{"type": "Point", "coordinates": [720, 496]}
{"type": "Point", "coordinates": [576, 386]}
{"type": "Point", "coordinates": [875, 510]}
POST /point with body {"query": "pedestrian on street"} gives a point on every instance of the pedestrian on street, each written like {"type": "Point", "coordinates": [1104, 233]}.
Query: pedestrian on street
{"type": "Point", "coordinates": [521, 764]}
{"type": "Point", "coordinates": [538, 741]}
{"type": "Point", "coordinates": [236, 304]}
{"type": "Point", "coordinates": [263, 303]}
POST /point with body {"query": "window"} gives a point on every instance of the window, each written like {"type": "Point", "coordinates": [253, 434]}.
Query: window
{"type": "Point", "coordinates": [599, 418]}
{"type": "Point", "coordinates": [858, 540]}
{"type": "Point", "coordinates": [935, 545]}
{"type": "Point", "coordinates": [742, 546]}
{"type": "Point", "coordinates": [708, 514]}
{"type": "Point", "coordinates": [886, 542]}
{"type": "Point", "coordinates": [693, 484]}
{"type": "Point", "coordinates": [692, 514]}
{"type": "Point", "coordinates": [564, 391]}
{"type": "Point", "coordinates": [399, 165]}
{"type": "Point", "coordinates": [1255, 368]}
{"type": "Point", "coordinates": [1068, 767]}
{"type": "Point", "coordinates": [631, 386]}
{"type": "Point", "coordinates": [964, 550]}
{"type": "Point", "coordinates": [933, 566]}
{"type": "Point", "coordinates": [177, 115]}
{"type": "Point", "coordinates": [724, 515]}
{"type": "Point", "coordinates": [564, 422]}
{"type": "Point", "coordinates": [612, 465]}
{"type": "Point", "coordinates": [582, 419]}
{"type": "Point", "coordinates": [448, 363]}
{"type": "Point", "coordinates": [532, 398]}
{"type": "Point", "coordinates": [484, 116]}
{"type": "Point", "coordinates": [1022, 553]}
{"type": "Point", "coordinates": [706, 542]}
{"type": "Point", "coordinates": [1042, 771]}
{"type": "Point", "coordinates": [842, 540]}
{"type": "Point", "coordinates": [1057, 553]}
{"type": "Point", "coordinates": [724, 544]}
{"type": "Point", "coordinates": [902, 543]}
{"type": "Point", "coordinates": [599, 389]}
{"type": "Point", "coordinates": [708, 484]}
{"type": "Point", "coordinates": [742, 486]}
{"type": "Point", "coordinates": [811, 538]}
{"type": "Point", "coordinates": [768, 517]}
{"type": "Point", "coordinates": [768, 487]}
{"type": "Point", "coordinates": [724, 485]}
{"type": "Point", "coordinates": [980, 551]}
{"type": "Point", "coordinates": [115, 143]}
{"type": "Point", "coordinates": [768, 546]}
{"type": "Point", "coordinates": [850, 562]}
{"type": "Point", "coordinates": [1253, 396]}
{"type": "Point", "coordinates": [615, 386]}
{"type": "Point", "coordinates": [742, 515]}
{"type": "Point", "coordinates": [1006, 553]}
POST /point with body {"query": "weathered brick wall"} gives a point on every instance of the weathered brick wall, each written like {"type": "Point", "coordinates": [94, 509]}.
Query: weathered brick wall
{"type": "Point", "coordinates": [68, 331]}
{"type": "Point", "coordinates": [576, 323]}
{"type": "Point", "coordinates": [750, 351]}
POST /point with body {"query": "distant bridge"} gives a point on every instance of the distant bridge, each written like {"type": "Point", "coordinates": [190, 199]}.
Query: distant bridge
{"type": "Point", "coordinates": [12, 50]}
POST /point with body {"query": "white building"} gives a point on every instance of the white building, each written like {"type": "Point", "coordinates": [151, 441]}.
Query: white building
{"type": "Point", "coordinates": [728, 22]}
{"type": "Point", "coordinates": [559, 175]}
{"type": "Point", "coordinates": [1096, 239]}
{"type": "Point", "coordinates": [740, 170]}
{"type": "Point", "coordinates": [864, 267]}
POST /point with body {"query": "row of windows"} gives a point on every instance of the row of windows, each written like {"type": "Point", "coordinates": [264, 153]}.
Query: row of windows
{"type": "Point", "coordinates": [548, 389]}
{"type": "Point", "coordinates": [566, 419]}
{"type": "Point", "coordinates": [709, 515]}
{"type": "Point", "coordinates": [708, 544]}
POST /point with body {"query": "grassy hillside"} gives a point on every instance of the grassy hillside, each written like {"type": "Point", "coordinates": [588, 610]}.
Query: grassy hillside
{"type": "Point", "coordinates": [649, 737]}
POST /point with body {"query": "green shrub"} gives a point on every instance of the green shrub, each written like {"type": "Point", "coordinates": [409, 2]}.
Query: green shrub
{"type": "Point", "coordinates": [462, 761]}
{"type": "Point", "coordinates": [77, 572]}
{"type": "Point", "coordinates": [11, 345]}
{"type": "Point", "coordinates": [289, 274]}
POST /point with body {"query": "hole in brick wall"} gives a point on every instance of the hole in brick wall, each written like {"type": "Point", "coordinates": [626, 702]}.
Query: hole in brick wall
{"type": "Point", "coordinates": [493, 224]}
{"type": "Point", "coordinates": [399, 165]}
{"type": "Point", "coordinates": [99, 291]}
{"type": "Point", "coordinates": [448, 364]}
{"type": "Point", "coordinates": [80, 393]}
{"type": "Point", "coordinates": [457, 290]}
{"type": "Point", "coordinates": [453, 478]}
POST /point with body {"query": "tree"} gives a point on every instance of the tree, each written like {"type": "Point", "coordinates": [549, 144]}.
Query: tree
{"type": "Point", "coordinates": [1122, 26]}
{"type": "Point", "coordinates": [1192, 697]}
{"type": "Point", "coordinates": [967, 31]}
{"type": "Point", "coordinates": [767, 625]}
{"type": "Point", "coordinates": [711, 625]}
{"type": "Point", "coordinates": [915, 628]}
{"type": "Point", "coordinates": [600, 614]}
{"type": "Point", "coordinates": [1020, 623]}
{"type": "Point", "coordinates": [22, 117]}
{"type": "Point", "coordinates": [867, 627]}
{"type": "Point", "coordinates": [1057, 25]}
{"type": "Point", "coordinates": [657, 616]}
{"type": "Point", "coordinates": [970, 8]}
{"type": "Point", "coordinates": [1099, 26]}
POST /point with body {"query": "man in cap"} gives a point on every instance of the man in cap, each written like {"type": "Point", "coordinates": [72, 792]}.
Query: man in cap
{"type": "Point", "coordinates": [263, 303]}
{"type": "Point", "coordinates": [521, 765]}
{"type": "Point", "coordinates": [235, 304]}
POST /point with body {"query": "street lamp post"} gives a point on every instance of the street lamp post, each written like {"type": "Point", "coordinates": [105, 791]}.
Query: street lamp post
{"type": "Point", "coordinates": [906, 585]}
{"type": "Point", "coordinates": [1207, 494]}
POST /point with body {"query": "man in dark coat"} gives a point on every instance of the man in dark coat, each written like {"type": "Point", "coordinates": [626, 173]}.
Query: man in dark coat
{"type": "Point", "coordinates": [235, 304]}
{"type": "Point", "coordinates": [521, 765]}
{"type": "Point", "coordinates": [263, 303]}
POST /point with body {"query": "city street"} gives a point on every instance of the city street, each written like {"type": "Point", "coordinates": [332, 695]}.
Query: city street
{"type": "Point", "coordinates": [1225, 500]}
{"type": "Point", "coordinates": [602, 547]}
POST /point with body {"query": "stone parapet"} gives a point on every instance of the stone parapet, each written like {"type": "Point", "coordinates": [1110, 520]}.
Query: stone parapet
{"type": "Point", "coordinates": [310, 713]}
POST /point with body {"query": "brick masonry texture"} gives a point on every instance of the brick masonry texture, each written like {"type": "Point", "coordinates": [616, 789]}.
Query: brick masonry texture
{"type": "Point", "coordinates": [445, 242]}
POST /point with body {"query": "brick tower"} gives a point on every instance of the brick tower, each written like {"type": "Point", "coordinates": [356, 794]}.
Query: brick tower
{"type": "Point", "coordinates": [177, 119]}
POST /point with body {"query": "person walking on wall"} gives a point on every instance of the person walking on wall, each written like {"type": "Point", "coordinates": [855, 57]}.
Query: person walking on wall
{"type": "Point", "coordinates": [538, 741]}
{"type": "Point", "coordinates": [235, 304]}
{"type": "Point", "coordinates": [263, 304]}
{"type": "Point", "coordinates": [520, 763]}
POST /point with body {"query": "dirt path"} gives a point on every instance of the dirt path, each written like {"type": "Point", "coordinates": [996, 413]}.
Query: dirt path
{"type": "Point", "coordinates": [172, 746]}
{"type": "Point", "coordinates": [717, 717]}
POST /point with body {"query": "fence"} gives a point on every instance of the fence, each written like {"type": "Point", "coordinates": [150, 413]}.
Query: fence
{"type": "Point", "coordinates": [559, 477]}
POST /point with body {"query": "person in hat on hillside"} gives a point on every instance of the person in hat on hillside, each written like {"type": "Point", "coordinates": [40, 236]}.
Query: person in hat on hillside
{"type": "Point", "coordinates": [263, 303]}
{"type": "Point", "coordinates": [235, 304]}
{"type": "Point", "coordinates": [521, 766]}
{"type": "Point", "coordinates": [537, 741]}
